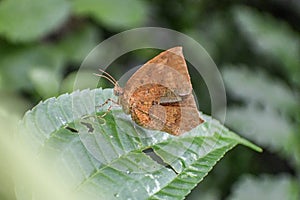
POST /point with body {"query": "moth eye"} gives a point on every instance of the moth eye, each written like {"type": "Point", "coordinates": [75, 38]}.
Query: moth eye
{"type": "Point", "coordinates": [117, 92]}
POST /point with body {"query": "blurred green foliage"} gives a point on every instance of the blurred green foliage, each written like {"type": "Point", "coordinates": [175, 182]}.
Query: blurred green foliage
{"type": "Point", "coordinates": [255, 45]}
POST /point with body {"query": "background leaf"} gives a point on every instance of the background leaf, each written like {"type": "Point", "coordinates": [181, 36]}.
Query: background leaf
{"type": "Point", "coordinates": [266, 187]}
{"type": "Point", "coordinates": [45, 80]}
{"type": "Point", "coordinates": [115, 14]}
{"type": "Point", "coordinates": [271, 129]}
{"type": "Point", "coordinates": [16, 66]}
{"type": "Point", "coordinates": [8, 119]}
{"type": "Point", "coordinates": [255, 87]}
{"type": "Point", "coordinates": [76, 45]}
{"type": "Point", "coordinates": [272, 38]}
{"type": "Point", "coordinates": [274, 118]}
{"type": "Point", "coordinates": [27, 20]}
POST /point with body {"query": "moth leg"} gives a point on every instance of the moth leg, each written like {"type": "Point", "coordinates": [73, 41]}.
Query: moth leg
{"type": "Point", "coordinates": [106, 102]}
{"type": "Point", "coordinates": [108, 109]}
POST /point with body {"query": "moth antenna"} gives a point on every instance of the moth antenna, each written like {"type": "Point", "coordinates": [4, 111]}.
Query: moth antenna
{"type": "Point", "coordinates": [107, 78]}
{"type": "Point", "coordinates": [110, 76]}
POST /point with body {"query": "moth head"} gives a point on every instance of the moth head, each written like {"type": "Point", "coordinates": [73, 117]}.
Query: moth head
{"type": "Point", "coordinates": [118, 91]}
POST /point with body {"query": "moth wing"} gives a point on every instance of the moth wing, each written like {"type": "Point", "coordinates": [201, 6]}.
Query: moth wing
{"type": "Point", "coordinates": [179, 117]}
{"type": "Point", "coordinates": [173, 117]}
{"type": "Point", "coordinates": [168, 69]}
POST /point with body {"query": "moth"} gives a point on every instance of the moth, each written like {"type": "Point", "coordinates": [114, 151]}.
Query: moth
{"type": "Point", "coordinates": [159, 96]}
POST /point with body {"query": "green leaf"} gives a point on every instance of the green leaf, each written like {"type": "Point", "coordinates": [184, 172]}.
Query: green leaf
{"type": "Point", "coordinates": [77, 44]}
{"type": "Point", "coordinates": [29, 20]}
{"type": "Point", "coordinates": [17, 64]}
{"type": "Point", "coordinates": [2, 85]}
{"type": "Point", "coordinates": [115, 14]}
{"type": "Point", "coordinates": [256, 87]}
{"type": "Point", "coordinates": [272, 38]}
{"type": "Point", "coordinates": [8, 121]}
{"type": "Point", "coordinates": [105, 158]}
{"type": "Point", "coordinates": [266, 127]}
{"type": "Point", "coordinates": [81, 80]}
{"type": "Point", "coordinates": [270, 104]}
{"type": "Point", "coordinates": [266, 187]}
{"type": "Point", "coordinates": [46, 81]}
{"type": "Point", "coordinates": [13, 102]}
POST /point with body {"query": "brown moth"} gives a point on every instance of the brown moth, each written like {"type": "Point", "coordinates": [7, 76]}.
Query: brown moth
{"type": "Point", "coordinates": [159, 95]}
